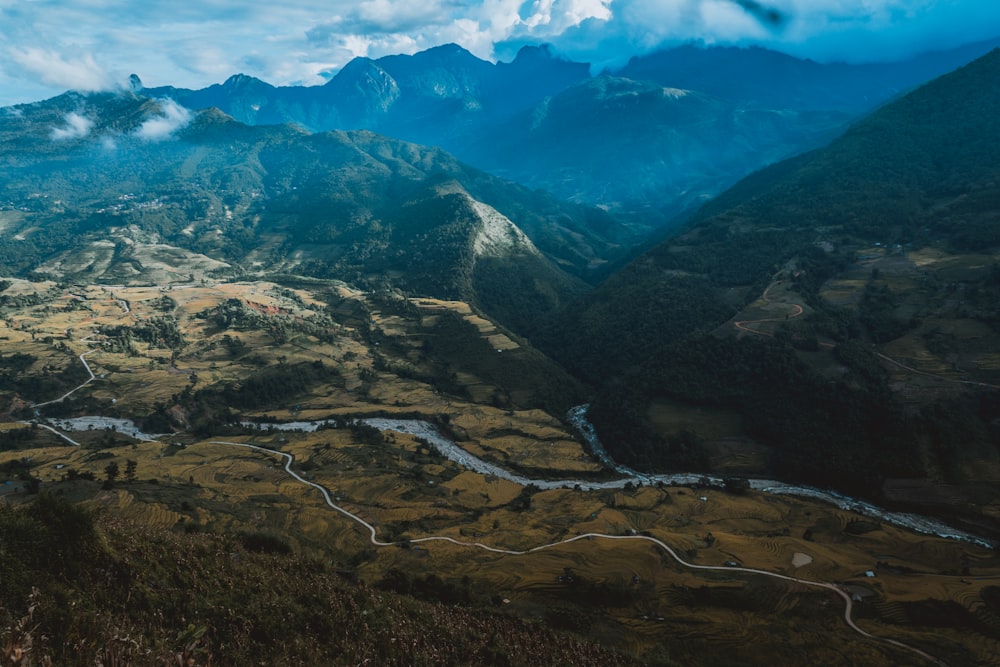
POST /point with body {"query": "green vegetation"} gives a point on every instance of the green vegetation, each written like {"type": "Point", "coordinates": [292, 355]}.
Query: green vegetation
{"type": "Point", "coordinates": [846, 433]}
{"type": "Point", "coordinates": [159, 332]}
{"type": "Point", "coordinates": [354, 206]}
{"type": "Point", "coordinates": [836, 227]}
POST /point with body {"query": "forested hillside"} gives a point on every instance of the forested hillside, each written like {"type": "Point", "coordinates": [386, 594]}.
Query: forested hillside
{"type": "Point", "coordinates": [881, 245]}
{"type": "Point", "coordinates": [110, 186]}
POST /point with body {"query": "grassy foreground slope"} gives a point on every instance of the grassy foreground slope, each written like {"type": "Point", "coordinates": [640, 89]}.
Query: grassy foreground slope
{"type": "Point", "coordinates": [78, 591]}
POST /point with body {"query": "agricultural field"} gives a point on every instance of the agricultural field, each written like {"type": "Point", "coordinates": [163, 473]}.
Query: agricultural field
{"type": "Point", "coordinates": [190, 365]}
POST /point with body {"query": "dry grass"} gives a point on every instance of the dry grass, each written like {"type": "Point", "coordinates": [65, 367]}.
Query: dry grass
{"type": "Point", "coordinates": [405, 491]}
{"type": "Point", "coordinates": [231, 490]}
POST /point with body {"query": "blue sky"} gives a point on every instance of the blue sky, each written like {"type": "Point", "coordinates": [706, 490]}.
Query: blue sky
{"type": "Point", "coordinates": [48, 46]}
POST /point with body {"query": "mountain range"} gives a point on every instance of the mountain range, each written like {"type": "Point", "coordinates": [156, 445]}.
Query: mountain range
{"type": "Point", "coordinates": [223, 260]}
{"type": "Point", "coordinates": [95, 184]}
{"type": "Point", "coordinates": [837, 309]}
{"type": "Point", "coordinates": [692, 119]}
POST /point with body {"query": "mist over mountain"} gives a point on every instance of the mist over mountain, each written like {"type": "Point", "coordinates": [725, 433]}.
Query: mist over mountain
{"type": "Point", "coordinates": [770, 79]}
{"type": "Point", "coordinates": [547, 123]}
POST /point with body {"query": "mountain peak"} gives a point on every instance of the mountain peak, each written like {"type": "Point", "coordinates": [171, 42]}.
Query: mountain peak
{"type": "Point", "coordinates": [450, 49]}
{"type": "Point", "coordinates": [531, 53]}
{"type": "Point", "coordinates": [446, 55]}
{"type": "Point", "coordinates": [245, 82]}
{"type": "Point", "coordinates": [497, 236]}
{"type": "Point", "coordinates": [364, 91]}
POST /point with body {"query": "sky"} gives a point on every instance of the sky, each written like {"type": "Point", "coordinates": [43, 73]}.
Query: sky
{"type": "Point", "coordinates": [49, 46]}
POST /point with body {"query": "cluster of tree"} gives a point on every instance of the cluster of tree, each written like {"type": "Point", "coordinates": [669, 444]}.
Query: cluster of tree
{"type": "Point", "coordinates": [275, 385]}
{"type": "Point", "coordinates": [158, 331]}
{"type": "Point", "coordinates": [877, 311]}
{"type": "Point", "coordinates": [430, 588]}
{"type": "Point", "coordinates": [234, 314]}
{"type": "Point", "coordinates": [39, 387]}
{"type": "Point", "coordinates": [847, 432]}
{"type": "Point", "coordinates": [19, 300]}
{"type": "Point", "coordinates": [17, 362]}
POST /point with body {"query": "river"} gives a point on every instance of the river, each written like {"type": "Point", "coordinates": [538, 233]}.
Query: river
{"type": "Point", "coordinates": [578, 418]}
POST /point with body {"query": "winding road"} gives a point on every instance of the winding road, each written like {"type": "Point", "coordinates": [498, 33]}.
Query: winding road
{"type": "Point", "coordinates": [742, 324]}
{"type": "Point", "coordinates": [373, 537]}
{"type": "Point", "coordinates": [83, 360]}
{"type": "Point", "coordinates": [797, 310]}
{"type": "Point", "coordinates": [126, 311]}
{"type": "Point", "coordinates": [935, 376]}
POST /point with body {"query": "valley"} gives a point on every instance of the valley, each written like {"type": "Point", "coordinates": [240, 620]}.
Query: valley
{"type": "Point", "coordinates": [393, 484]}
{"type": "Point", "coordinates": [277, 389]}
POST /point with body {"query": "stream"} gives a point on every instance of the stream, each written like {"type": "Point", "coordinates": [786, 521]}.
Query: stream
{"type": "Point", "coordinates": [578, 418]}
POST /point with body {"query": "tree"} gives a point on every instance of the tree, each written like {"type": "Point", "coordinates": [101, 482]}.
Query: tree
{"type": "Point", "coordinates": [130, 467]}
{"type": "Point", "coordinates": [111, 474]}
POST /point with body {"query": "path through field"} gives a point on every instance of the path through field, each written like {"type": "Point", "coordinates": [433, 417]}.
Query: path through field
{"type": "Point", "coordinates": [797, 310]}
{"type": "Point", "coordinates": [373, 536]}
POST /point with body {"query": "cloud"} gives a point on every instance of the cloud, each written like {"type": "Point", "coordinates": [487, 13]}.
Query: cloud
{"type": "Point", "coordinates": [387, 16]}
{"type": "Point", "coordinates": [828, 30]}
{"type": "Point", "coordinates": [770, 16]}
{"type": "Point", "coordinates": [92, 44]}
{"type": "Point", "coordinates": [172, 117]}
{"type": "Point", "coordinates": [77, 127]}
{"type": "Point", "coordinates": [78, 71]}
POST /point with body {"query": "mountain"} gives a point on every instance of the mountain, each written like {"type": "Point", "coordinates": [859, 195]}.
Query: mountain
{"type": "Point", "coordinates": [429, 97]}
{"type": "Point", "coordinates": [547, 123]}
{"type": "Point", "coordinates": [97, 187]}
{"type": "Point", "coordinates": [769, 79]}
{"type": "Point", "coordinates": [638, 146]}
{"type": "Point", "coordinates": [831, 318]}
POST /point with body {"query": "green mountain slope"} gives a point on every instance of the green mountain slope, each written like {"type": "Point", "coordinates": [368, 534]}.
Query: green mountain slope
{"type": "Point", "coordinates": [639, 146]}
{"type": "Point", "coordinates": [613, 140]}
{"type": "Point", "coordinates": [111, 187]}
{"type": "Point", "coordinates": [795, 302]}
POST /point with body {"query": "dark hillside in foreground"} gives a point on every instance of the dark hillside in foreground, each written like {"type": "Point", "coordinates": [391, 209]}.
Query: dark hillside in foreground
{"type": "Point", "coordinates": [840, 269]}
{"type": "Point", "coordinates": [79, 591]}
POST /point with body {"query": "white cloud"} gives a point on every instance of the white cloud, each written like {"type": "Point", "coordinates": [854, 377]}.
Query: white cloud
{"type": "Point", "coordinates": [77, 127]}
{"type": "Point", "coordinates": [79, 71]}
{"type": "Point", "coordinates": [172, 117]}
